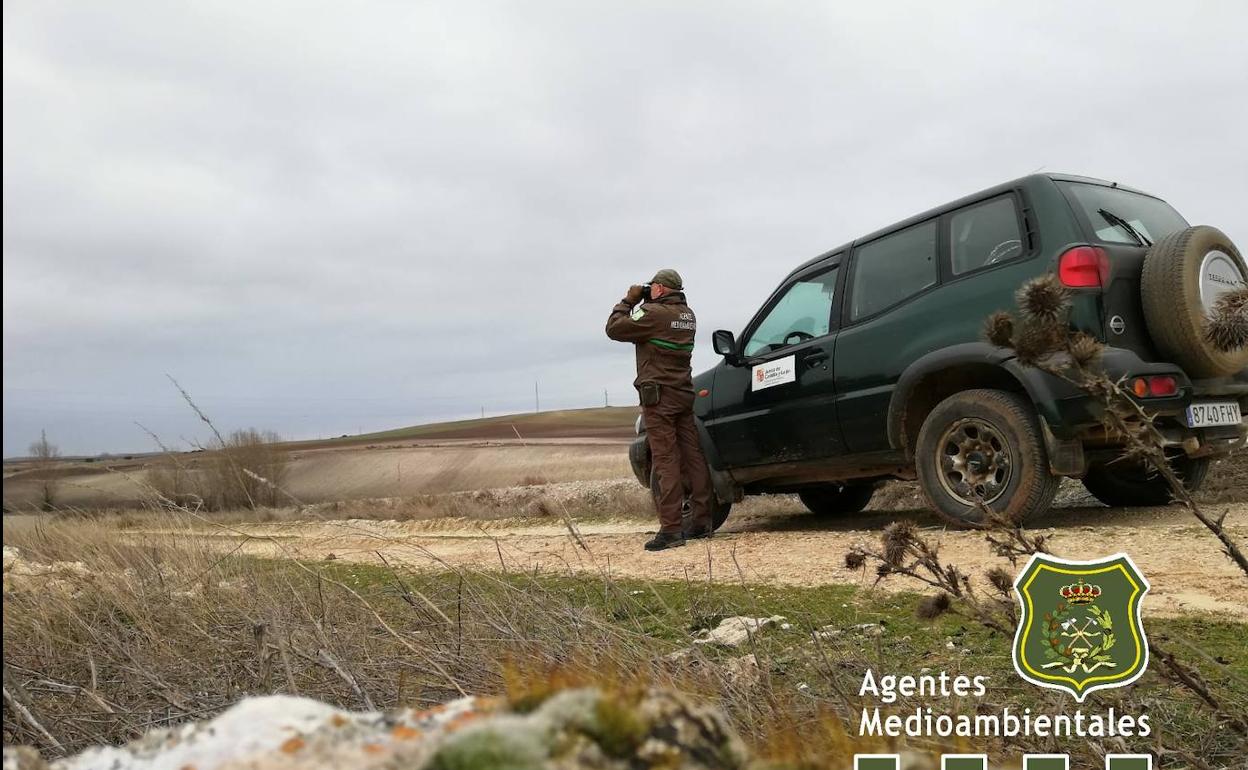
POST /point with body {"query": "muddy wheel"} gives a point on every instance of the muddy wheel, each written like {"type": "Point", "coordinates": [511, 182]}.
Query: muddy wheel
{"type": "Point", "coordinates": [1125, 484]}
{"type": "Point", "coordinates": [1184, 274]}
{"type": "Point", "coordinates": [719, 510]}
{"type": "Point", "coordinates": [836, 499]}
{"type": "Point", "coordinates": [983, 447]}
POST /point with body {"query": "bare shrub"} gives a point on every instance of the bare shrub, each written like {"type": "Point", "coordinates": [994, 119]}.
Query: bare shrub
{"type": "Point", "coordinates": [177, 485]}
{"type": "Point", "coordinates": [45, 455]}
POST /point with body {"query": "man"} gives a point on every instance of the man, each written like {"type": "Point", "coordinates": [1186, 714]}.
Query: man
{"type": "Point", "coordinates": [662, 332]}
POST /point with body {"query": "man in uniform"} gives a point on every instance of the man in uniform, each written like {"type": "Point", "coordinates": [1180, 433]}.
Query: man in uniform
{"type": "Point", "coordinates": [662, 331]}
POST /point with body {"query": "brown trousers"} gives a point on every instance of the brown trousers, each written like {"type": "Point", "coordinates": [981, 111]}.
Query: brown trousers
{"type": "Point", "coordinates": [676, 457]}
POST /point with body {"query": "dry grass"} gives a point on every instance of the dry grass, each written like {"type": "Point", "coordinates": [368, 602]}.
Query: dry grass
{"type": "Point", "coordinates": [111, 640]}
{"type": "Point", "coordinates": [124, 636]}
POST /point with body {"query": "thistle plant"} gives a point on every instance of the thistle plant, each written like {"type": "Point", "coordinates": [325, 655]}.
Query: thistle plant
{"type": "Point", "coordinates": [1227, 326]}
{"type": "Point", "coordinates": [1041, 337]}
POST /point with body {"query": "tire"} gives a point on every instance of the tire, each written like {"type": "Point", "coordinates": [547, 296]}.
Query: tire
{"type": "Point", "coordinates": [996, 436]}
{"type": "Point", "coordinates": [1125, 484]}
{"type": "Point", "coordinates": [719, 510]}
{"type": "Point", "coordinates": [837, 499]}
{"type": "Point", "coordinates": [1175, 311]}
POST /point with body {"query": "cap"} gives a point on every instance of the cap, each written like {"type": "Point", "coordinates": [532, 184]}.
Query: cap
{"type": "Point", "coordinates": [669, 278]}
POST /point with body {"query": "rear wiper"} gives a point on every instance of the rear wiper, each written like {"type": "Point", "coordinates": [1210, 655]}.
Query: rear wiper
{"type": "Point", "coordinates": [1114, 219]}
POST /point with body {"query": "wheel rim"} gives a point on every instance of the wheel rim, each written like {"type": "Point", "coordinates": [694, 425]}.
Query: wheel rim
{"type": "Point", "coordinates": [1219, 274]}
{"type": "Point", "coordinates": [974, 461]}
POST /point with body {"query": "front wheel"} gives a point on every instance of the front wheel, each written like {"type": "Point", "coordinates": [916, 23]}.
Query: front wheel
{"type": "Point", "coordinates": [983, 449]}
{"type": "Point", "coordinates": [719, 510]}
{"type": "Point", "coordinates": [1123, 483]}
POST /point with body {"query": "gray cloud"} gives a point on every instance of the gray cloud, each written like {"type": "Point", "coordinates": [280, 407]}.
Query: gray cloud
{"type": "Point", "coordinates": [322, 221]}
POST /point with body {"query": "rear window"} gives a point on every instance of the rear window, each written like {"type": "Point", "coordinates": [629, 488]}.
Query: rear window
{"type": "Point", "coordinates": [1152, 218]}
{"type": "Point", "coordinates": [893, 269]}
{"type": "Point", "coordinates": [985, 234]}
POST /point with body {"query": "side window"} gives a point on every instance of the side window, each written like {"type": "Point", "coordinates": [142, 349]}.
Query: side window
{"type": "Point", "coordinates": [893, 268]}
{"type": "Point", "coordinates": [804, 312]}
{"type": "Point", "coordinates": [985, 234]}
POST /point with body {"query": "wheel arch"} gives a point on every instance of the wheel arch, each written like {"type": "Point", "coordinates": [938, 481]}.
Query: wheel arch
{"type": "Point", "coordinates": [941, 373]}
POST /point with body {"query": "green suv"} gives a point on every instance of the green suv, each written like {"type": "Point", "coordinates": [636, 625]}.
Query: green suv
{"type": "Point", "coordinates": [867, 362]}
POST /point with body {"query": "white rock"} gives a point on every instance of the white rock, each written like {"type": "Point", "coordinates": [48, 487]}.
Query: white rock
{"type": "Point", "coordinates": [743, 671]}
{"type": "Point", "coordinates": [277, 732]}
{"type": "Point", "coordinates": [682, 654]}
{"type": "Point", "coordinates": [736, 630]}
{"type": "Point", "coordinates": [252, 727]}
{"type": "Point", "coordinates": [870, 629]}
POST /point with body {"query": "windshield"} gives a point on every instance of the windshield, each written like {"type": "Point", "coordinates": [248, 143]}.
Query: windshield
{"type": "Point", "coordinates": [1106, 208]}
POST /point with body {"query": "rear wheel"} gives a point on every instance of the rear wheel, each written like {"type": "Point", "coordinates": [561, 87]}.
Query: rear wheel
{"type": "Point", "coordinates": [835, 499]}
{"type": "Point", "coordinates": [1130, 483]}
{"type": "Point", "coordinates": [983, 448]}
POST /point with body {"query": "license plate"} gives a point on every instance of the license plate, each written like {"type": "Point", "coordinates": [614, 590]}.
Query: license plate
{"type": "Point", "coordinates": [1203, 414]}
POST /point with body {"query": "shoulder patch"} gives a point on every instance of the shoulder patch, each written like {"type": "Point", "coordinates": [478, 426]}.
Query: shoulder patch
{"type": "Point", "coordinates": [637, 313]}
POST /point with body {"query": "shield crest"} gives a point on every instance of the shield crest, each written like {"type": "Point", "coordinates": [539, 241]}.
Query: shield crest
{"type": "Point", "coordinates": [1079, 627]}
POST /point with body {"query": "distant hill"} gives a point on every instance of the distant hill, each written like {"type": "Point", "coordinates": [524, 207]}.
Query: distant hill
{"type": "Point", "coordinates": [599, 422]}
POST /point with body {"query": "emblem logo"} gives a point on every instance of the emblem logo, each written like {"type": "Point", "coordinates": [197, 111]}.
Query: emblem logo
{"type": "Point", "coordinates": [1080, 629]}
{"type": "Point", "coordinates": [758, 374]}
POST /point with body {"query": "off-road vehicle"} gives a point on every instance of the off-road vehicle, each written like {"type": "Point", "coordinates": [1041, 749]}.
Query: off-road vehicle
{"type": "Point", "coordinates": [867, 362]}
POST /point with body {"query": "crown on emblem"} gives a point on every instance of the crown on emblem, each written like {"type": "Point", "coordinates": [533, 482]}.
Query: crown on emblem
{"type": "Point", "coordinates": [1080, 593]}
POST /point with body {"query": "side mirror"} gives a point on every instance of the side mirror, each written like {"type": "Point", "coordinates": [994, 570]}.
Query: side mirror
{"type": "Point", "coordinates": [725, 345]}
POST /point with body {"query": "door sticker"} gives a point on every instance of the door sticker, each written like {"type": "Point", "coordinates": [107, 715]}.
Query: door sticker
{"type": "Point", "coordinates": [776, 372]}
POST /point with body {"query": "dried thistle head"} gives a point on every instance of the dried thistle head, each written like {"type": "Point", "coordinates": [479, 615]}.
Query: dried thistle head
{"type": "Point", "coordinates": [1044, 300]}
{"type": "Point", "coordinates": [898, 538]}
{"type": "Point", "coordinates": [999, 329]}
{"type": "Point", "coordinates": [933, 606]}
{"type": "Point", "coordinates": [1227, 329]}
{"type": "Point", "coordinates": [1000, 580]}
{"type": "Point", "coordinates": [1084, 349]}
{"type": "Point", "coordinates": [855, 559]}
{"type": "Point", "coordinates": [1034, 342]}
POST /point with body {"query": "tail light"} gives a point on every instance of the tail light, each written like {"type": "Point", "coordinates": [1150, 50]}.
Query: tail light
{"type": "Point", "coordinates": [1159, 386]}
{"type": "Point", "coordinates": [1083, 267]}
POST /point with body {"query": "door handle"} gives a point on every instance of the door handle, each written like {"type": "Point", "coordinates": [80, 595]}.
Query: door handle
{"type": "Point", "coordinates": [815, 357]}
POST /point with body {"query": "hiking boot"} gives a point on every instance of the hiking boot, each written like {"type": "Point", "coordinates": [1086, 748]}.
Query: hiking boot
{"type": "Point", "coordinates": [697, 532]}
{"type": "Point", "coordinates": [665, 540]}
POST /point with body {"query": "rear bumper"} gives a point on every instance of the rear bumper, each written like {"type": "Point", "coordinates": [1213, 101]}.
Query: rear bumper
{"type": "Point", "coordinates": [1072, 415]}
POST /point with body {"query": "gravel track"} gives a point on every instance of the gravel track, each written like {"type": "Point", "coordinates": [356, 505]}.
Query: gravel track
{"type": "Point", "coordinates": [774, 542]}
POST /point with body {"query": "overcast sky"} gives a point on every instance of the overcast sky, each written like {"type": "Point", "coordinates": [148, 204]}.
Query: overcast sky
{"type": "Point", "coordinates": [325, 218]}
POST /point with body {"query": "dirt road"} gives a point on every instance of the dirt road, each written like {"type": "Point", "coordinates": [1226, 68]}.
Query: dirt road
{"type": "Point", "coordinates": [785, 546]}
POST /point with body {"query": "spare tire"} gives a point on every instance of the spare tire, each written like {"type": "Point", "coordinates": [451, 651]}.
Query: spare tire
{"type": "Point", "coordinates": [1184, 274]}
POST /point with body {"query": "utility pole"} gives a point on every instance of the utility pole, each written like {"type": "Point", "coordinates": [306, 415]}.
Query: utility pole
{"type": "Point", "coordinates": [483, 413]}
{"type": "Point", "coordinates": [537, 401]}
{"type": "Point", "coordinates": [605, 400]}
